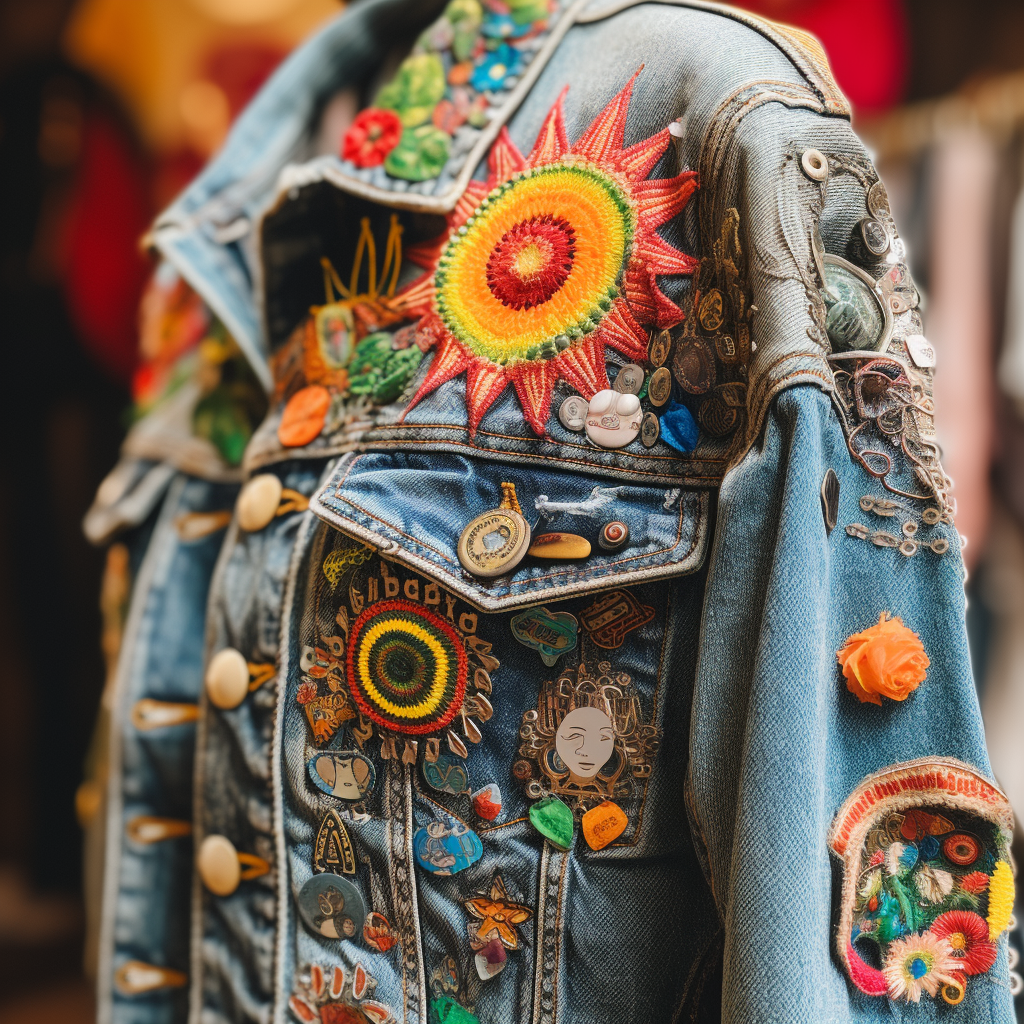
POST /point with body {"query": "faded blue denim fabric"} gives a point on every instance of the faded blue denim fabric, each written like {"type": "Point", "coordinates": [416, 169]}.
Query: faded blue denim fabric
{"type": "Point", "coordinates": [607, 911]}
{"type": "Point", "coordinates": [234, 787]}
{"type": "Point", "coordinates": [719, 901]}
{"type": "Point", "coordinates": [777, 742]}
{"type": "Point", "coordinates": [147, 883]}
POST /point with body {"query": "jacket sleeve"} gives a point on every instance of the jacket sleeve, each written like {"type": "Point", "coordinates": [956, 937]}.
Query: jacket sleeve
{"type": "Point", "coordinates": [778, 740]}
{"type": "Point", "coordinates": [834, 811]}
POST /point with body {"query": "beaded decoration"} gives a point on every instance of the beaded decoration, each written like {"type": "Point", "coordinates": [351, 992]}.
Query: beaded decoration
{"type": "Point", "coordinates": [551, 259]}
{"type": "Point", "coordinates": [335, 995]}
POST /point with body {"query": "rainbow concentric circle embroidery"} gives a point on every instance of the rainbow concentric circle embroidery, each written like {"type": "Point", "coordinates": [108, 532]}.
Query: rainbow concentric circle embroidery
{"type": "Point", "coordinates": [406, 667]}
{"type": "Point", "coordinates": [551, 260]}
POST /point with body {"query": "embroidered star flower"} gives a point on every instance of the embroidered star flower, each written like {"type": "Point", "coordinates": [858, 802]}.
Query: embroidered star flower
{"type": "Point", "coordinates": [552, 259]}
{"type": "Point", "coordinates": [967, 934]}
{"type": "Point", "coordinates": [497, 913]}
{"type": "Point", "coordinates": [919, 963]}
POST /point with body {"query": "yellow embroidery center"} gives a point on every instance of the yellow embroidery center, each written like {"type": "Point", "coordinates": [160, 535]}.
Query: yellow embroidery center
{"type": "Point", "coordinates": [437, 685]}
{"type": "Point", "coordinates": [590, 221]}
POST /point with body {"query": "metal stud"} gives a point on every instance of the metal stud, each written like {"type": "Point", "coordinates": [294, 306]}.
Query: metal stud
{"type": "Point", "coordinates": [814, 165]}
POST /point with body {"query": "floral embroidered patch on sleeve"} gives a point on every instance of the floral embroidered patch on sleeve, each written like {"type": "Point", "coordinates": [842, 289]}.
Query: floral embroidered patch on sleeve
{"type": "Point", "coordinates": [927, 883]}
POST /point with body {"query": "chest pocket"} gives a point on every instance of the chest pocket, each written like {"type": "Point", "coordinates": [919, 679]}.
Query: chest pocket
{"type": "Point", "coordinates": [558, 679]}
{"type": "Point", "coordinates": [439, 725]}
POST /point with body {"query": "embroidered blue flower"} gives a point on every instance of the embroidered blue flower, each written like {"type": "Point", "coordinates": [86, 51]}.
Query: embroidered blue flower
{"type": "Point", "coordinates": [491, 72]}
{"type": "Point", "coordinates": [502, 26]}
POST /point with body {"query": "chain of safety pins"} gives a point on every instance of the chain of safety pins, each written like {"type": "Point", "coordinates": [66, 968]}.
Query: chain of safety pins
{"type": "Point", "coordinates": [909, 543]}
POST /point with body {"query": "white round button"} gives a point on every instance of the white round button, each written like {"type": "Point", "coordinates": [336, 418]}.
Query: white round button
{"type": "Point", "coordinates": [218, 865]}
{"type": "Point", "coordinates": [613, 419]}
{"type": "Point", "coordinates": [227, 679]}
{"type": "Point", "coordinates": [258, 501]}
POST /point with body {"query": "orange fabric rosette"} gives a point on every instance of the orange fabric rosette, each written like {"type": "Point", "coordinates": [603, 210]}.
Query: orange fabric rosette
{"type": "Point", "coordinates": [886, 660]}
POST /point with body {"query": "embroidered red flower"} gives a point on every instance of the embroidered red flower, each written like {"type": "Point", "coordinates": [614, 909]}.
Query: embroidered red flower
{"type": "Point", "coordinates": [371, 136]}
{"type": "Point", "coordinates": [886, 660]}
{"type": "Point", "coordinates": [967, 934]}
{"type": "Point", "coordinates": [974, 883]}
{"type": "Point", "coordinates": [306, 693]}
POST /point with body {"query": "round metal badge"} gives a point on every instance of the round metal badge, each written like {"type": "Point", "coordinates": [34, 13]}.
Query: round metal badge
{"type": "Point", "coordinates": [650, 429]}
{"type": "Point", "coordinates": [659, 391]}
{"type": "Point", "coordinates": [711, 312]}
{"type": "Point", "coordinates": [494, 543]}
{"type": "Point", "coordinates": [332, 906]}
{"type": "Point", "coordinates": [572, 413]}
{"type": "Point", "coordinates": [630, 379]}
{"type": "Point", "coordinates": [658, 350]}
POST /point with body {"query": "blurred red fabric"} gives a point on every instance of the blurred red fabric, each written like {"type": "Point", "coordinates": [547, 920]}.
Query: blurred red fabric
{"type": "Point", "coordinates": [866, 41]}
{"type": "Point", "coordinates": [104, 269]}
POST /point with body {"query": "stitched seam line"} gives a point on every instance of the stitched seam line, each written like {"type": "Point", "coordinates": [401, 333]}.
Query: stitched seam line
{"type": "Point", "coordinates": [568, 573]}
{"type": "Point", "coordinates": [537, 457]}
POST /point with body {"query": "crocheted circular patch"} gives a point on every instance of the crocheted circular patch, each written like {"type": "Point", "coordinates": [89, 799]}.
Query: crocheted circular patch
{"type": "Point", "coordinates": [539, 260]}
{"type": "Point", "coordinates": [532, 261]}
{"type": "Point", "coordinates": [406, 667]}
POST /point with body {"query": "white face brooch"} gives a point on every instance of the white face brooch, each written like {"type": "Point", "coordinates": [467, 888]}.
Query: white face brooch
{"type": "Point", "coordinates": [585, 741]}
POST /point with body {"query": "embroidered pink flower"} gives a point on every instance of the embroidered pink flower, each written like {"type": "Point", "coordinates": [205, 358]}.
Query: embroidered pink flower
{"type": "Point", "coordinates": [371, 136]}
{"type": "Point", "coordinates": [967, 934]}
{"type": "Point", "coordinates": [306, 692]}
{"type": "Point", "coordinates": [877, 857]}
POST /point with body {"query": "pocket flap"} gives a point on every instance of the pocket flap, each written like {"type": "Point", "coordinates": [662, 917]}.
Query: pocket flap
{"type": "Point", "coordinates": [413, 508]}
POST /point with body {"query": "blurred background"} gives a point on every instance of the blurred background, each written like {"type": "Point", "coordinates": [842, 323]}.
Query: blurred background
{"type": "Point", "coordinates": [109, 107]}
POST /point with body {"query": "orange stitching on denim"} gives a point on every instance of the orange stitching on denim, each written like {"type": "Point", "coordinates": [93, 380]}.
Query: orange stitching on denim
{"type": "Point", "coordinates": [513, 585]}
{"type": "Point", "coordinates": [688, 479]}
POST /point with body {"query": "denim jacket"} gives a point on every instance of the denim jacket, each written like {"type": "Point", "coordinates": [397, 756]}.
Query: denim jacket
{"type": "Point", "coordinates": [501, 683]}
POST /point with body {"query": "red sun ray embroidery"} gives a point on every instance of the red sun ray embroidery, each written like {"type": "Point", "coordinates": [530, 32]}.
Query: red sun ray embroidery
{"type": "Point", "coordinates": [552, 259]}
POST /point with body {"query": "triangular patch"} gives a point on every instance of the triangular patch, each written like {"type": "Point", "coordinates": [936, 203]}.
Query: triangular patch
{"type": "Point", "coordinates": [534, 382]}
{"type": "Point", "coordinates": [333, 850]}
{"type": "Point", "coordinates": [583, 367]}
{"type": "Point", "coordinates": [602, 141]}
{"type": "Point", "coordinates": [450, 360]}
{"type": "Point", "coordinates": [484, 382]}
{"type": "Point", "coordinates": [552, 142]}
{"type": "Point", "coordinates": [505, 158]}
{"type": "Point", "coordinates": [623, 333]}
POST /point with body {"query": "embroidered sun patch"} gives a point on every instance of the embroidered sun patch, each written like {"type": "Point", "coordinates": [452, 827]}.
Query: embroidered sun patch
{"type": "Point", "coordinates": [927, 885]}
{"type": "Point", "coordinates": [553, 258]}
